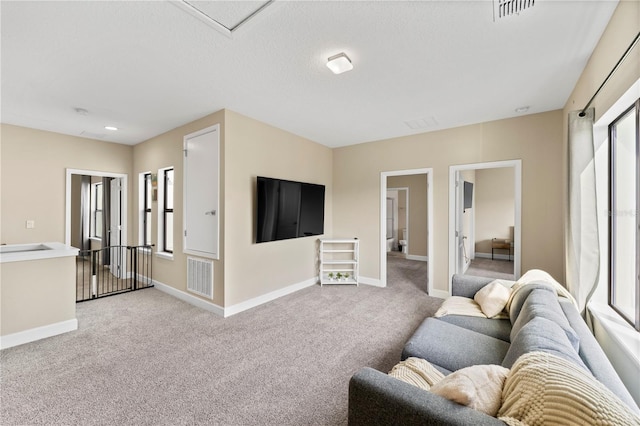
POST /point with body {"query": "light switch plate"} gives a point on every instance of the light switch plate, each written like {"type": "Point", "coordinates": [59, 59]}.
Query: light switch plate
{"type": "Point", "coordinates": [31, 224]}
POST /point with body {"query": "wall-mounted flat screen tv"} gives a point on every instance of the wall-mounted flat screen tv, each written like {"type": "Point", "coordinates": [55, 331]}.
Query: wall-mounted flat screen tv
{"type": "Point", "coordinates": [288, 209]}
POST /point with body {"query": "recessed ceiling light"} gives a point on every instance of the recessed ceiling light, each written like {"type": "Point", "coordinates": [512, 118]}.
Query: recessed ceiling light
{"type": "Point", "coordinates": [339, 63]}
{"type": "Point", "coordinates": [110, 128]}
{"type": "Point", "coordinates": [522, 109]}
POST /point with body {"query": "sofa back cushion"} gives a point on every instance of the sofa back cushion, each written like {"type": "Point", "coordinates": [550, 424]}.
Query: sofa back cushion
{"type": "Point", "coordinates": [519, 295]}
{"type": "Point", "coordinates": [540, 334]}
{"type": "Point", "coordinates": [543, 302]}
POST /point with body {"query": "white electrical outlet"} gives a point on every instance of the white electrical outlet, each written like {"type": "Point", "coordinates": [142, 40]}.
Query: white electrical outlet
{"type": "Point", "coordinates": [31, 224]}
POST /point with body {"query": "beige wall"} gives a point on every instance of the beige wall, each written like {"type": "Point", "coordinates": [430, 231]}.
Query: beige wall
{"type": "Point", "coordinates": [494, 206]}
{"type": "Point", "coordinates": [257, 149]}
{"type": "Point", "coordinates": [166, 150]}
{"type": "Point", "coordinates": [417, 185]}
{"type": "Point", "coordinates": [36, 293]}
{"type": "Point", "coordinates": [249, 149]}
{"type": "Point", "coordinates": [535, 138]}
{"type": "Point", "coordinates": [33, 179]}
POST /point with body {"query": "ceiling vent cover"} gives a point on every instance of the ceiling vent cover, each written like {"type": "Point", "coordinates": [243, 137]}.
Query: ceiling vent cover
{"type": "Point", "coordinates": [502, 8]}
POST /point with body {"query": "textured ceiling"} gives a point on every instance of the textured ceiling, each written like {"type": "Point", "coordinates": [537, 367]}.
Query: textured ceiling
{"type": "Point", "coordinates": [147, 67]}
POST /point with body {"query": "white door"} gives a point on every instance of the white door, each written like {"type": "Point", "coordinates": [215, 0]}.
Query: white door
{"type": "Point", "coordinates": [201, 192]}
{"type": "Point", "coordinates": [459, 225]}
{"type": "Point", "coordinates": [117, 255]}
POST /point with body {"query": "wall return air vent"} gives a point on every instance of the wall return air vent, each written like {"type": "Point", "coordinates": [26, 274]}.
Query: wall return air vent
{"type": "Point", "coordinates": [503, 8]}
{"type": "Point", "coordinates": [200, 276]}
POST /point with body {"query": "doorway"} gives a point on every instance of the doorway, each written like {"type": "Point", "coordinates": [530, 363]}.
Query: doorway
{"type": "Point", "coordinates": [117, 217]}
{"type": "Point", "coordinates": [424, 223]}
{"type": "Point", "coordinates": [463, 241]}
{"type": "Point", "coordinates": [398, 221]}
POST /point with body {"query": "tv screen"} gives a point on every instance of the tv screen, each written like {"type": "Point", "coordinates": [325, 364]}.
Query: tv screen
{"type": "Point", "coordinates": [468, 194]}
{"type": "Point", "coordinates": [288, 209]}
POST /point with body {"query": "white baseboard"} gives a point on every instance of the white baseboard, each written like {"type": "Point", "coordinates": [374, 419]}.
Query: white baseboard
{"type": "Point", "coordinates": [370, 281]}
{"type": "Point", "coordinates": [439, 293]}
{"type": "Point", "coordinates": [268, 297]}
{"type": "Point", "coordinates": [419, 258]}
{"type": "Point", "coordinates": [38, 333]}
{"type": "Point", "coordinates": [191, 299]}
{"type": "Point", "coordinates": [239, 307]}
{"type": "Point", "coordinates": [495, 256]}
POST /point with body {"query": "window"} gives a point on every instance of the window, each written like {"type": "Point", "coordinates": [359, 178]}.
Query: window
{"type": "Point", "coordinates": [146, 209]}
{"type": "Point", "coordinates": [624, 196]}
{"type": "Point", "coordinates": [165, 210]}
{"type": "Point", "coordinates": [96, 210]}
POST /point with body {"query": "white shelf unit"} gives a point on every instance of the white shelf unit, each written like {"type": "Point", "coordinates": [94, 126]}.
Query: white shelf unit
{"type": "Point", "coordinates": [339, 256]}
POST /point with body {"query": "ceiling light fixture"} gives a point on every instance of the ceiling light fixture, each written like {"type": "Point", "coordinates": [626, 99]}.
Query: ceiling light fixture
{"type": "Point", "coordinates": [110, 128]}
{"type": "Point", "coordinates": [339, 63]}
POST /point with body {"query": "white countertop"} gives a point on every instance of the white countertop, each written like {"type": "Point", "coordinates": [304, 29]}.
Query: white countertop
{"type": "Point", "coordinates": [35, 251]}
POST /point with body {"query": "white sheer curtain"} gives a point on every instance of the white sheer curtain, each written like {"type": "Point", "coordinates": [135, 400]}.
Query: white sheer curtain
{"type": "Point", "coordinates": [582, 245]}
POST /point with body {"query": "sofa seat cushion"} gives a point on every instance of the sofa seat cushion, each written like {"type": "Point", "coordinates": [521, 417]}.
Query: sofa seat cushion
{"type": "Point", "coordinates": [540, 334]}
{"type": "Point", "coordinates": [542, 303]}
{"type": "Point", "coordinates": [542, 388]}
{"type": "Point", "coordinates": [498, 328]}
{"type": "Point", "coordinates": [453, 347]}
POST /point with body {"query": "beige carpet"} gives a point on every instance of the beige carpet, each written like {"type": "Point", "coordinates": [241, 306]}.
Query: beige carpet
{"type": "Point", "coordinates": [146, 358]}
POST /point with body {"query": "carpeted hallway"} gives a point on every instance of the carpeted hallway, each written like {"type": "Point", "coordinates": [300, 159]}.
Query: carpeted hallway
{"type": "Point", "coordinates": [146, 358]}
{"type": "Point", "coordinates": [481, 267]}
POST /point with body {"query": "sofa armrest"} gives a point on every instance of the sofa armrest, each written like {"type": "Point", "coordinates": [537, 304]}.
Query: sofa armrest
{"type": "Point", "coordinates": [467, 285]}
{"type": "Point", "coordinates": [378, 399]}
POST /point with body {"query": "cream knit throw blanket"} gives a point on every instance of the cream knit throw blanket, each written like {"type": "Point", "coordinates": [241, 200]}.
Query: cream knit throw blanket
{"type": "Point", "coordinates": [545, 389]}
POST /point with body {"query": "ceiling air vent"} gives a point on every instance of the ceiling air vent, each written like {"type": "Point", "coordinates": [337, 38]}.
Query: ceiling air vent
{"type": "Point", "coordinates": [502, 8]}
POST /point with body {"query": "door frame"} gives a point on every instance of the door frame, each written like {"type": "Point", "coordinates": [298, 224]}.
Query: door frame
{"type": "Point", "coordinates": [383, 222]}
{"type": "Point", "coordinates": [517, 231]}
{"type": "Point", "coordinates": [124, 205]}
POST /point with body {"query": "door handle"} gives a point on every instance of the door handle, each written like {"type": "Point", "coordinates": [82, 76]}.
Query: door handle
{"type": "Point", "coordinates": [210, 213]}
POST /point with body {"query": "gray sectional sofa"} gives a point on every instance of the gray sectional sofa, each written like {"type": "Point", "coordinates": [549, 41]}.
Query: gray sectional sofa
{"type": "Point", "coordinates": [538, 321]}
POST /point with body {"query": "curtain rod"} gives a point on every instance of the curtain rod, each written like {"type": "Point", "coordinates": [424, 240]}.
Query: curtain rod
{"type": "Point", "coordinates": [615, 68]}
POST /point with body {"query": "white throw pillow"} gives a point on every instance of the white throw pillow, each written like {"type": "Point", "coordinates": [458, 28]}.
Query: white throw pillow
{"type": "Point", "coordinates": [478, 387]}
{"type": "Point", "coordinates": [492, 298]}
